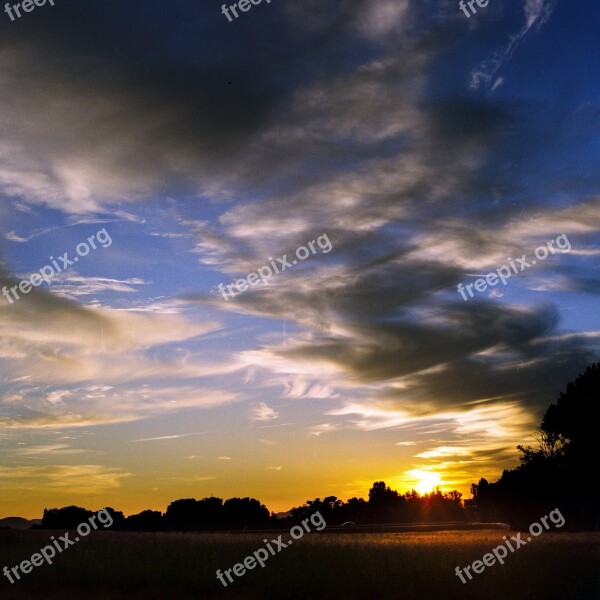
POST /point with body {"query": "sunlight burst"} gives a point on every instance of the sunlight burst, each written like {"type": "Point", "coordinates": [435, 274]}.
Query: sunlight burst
{"type": "Point", "coordinates": [426, 481]}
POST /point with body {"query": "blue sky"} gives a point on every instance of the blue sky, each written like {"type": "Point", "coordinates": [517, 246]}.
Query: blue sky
{"type": "Point", "coordinates": [428, 147]}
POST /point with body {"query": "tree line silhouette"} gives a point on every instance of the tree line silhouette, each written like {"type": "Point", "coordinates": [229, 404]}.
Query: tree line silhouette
{"type": "Point", "coordinates": [556, 472]}
{"type": "Point", "coordinates": [212, 514]}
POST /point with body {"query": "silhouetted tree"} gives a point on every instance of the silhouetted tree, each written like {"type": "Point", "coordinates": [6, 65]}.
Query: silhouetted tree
{"type": "Point", "coordinates": [117, 517]}
{"type": "Point", "coordinates": [330, 508]}
{"type": "Point", "coordinates": [65, 518]}
{"type": "Point", "coordinates": [554, 471]}
{"type": "Point", "coordinates": [193, 515]}
{"type": "Point", "coordinates": [384, 503]}
{"type": "Point", "coordinates": [245, 513]}
{"type": "Point", "coordinates": [354, 510]}
{"type": "Point", "coordinates": [573, 420]}
{"type": "Point", "coordinates": [147, 520]}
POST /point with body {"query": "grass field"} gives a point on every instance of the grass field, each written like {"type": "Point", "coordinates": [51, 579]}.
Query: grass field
{"type": "Point", "coordinates": [410, 566]}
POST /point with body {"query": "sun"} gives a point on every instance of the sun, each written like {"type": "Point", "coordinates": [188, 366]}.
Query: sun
{"type": "Point", "coordinates": [426, 481]}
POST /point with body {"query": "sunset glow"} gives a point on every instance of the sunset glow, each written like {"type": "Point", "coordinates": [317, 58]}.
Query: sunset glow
{"type": "Point", "coordinates": [289, 202]}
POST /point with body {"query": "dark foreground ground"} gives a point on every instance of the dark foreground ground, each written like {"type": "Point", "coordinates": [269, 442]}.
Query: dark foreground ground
{"type": "Point", "coordinates": [354, 566]}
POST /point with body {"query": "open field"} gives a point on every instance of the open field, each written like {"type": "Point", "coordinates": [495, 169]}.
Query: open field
{"type": "Point", "coordinates": [353, 566]}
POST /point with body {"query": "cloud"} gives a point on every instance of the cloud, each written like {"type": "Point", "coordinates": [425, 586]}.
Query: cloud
{"type": "Point", "coordinates": [536, 13]}
{"type": "Point", "coordinates": [66, 479]}
{"type": "Point", "coordinates": [115, 131]}
{"type": "Point", "coordinates": [119, 405]}
{"type": "Point", "coordinates": [51, 331]}
{"type": "Point", "coordinates": [71, 285]}
{"type": "Point", "coordinates": [49, 451]}
{"type": "Point", "coordinates": [164, 437]}
{"type": "Point", "coordinates": [443, 451]}
{"type": "Point", "coordinates": [58, 396]}
{"type": "Point", "coordinates": [78, 366]}
{"type": "Point", "coordinates": [11, 236]}
{"type": "Point", "coordinates": [263, 412]}
{"type": "Point", "coordinates": [374, 20]}
{"type": "Point", "coordinates": [476, 441]}
{"type": "Point", "coordinates": [24, 208]}
{"type": "Point", "coordinates": [323, 428]}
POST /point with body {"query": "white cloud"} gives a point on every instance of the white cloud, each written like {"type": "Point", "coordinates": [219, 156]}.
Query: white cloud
{"type": "Point", "coordinates": [537, 12]}
{"type": "Point", "coordinates": [72, 285]}
{"type": "Point", "coordinates": [263, 412]}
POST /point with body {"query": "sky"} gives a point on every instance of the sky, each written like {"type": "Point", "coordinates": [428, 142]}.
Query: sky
{"type": "Point", "coordinates": [415, 147]}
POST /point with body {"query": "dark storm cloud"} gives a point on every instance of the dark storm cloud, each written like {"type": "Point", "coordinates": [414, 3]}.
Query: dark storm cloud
{"type": "Point", "coordinates": [135, 98]}
{"type": "Point", "coordinates": [396, 329]}
{"type": "Point", "coordinates": [148, 95]}
{"type": "Point", "coordinates": [124, 102]}
{"type": "Point", "coordinates": [533, 375]}
{"type": "Point", "coordinates": [387, 350]}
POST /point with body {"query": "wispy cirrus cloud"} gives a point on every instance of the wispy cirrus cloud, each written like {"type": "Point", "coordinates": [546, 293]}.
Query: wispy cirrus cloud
{"type": "Point", "coordinates": [71, 285]}
{"type": "Point", "coordinates": [66, 479]}
{"type": "Point", "coordinates": [164, 437]}
{"type": "Point", "coordinates": [125, 404]}
{"type": "Point", "coordinates": [536, 13]}
{"type": "Point", "coordinates": [48, 451]}
{"type": "Point", "coordinates": [11, 236]}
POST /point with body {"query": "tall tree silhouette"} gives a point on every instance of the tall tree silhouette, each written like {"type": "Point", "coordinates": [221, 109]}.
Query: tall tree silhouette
{"type": "Point", "coordinates": [556, 471]}
{"type": "Point", "coordinates": [573, 421]}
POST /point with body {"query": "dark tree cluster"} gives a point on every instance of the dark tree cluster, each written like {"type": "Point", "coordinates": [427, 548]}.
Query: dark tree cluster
{"type": "Point", "coordinates": [70, 517]}
{"type": "Point", "coordinates": [213, 514]}
{"type": "Point", "coordinates": [386, 506]}
{"type": "Point", "coordinates": [208, 514]}
{"type": "Point", "coordinates": [558, 471]}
